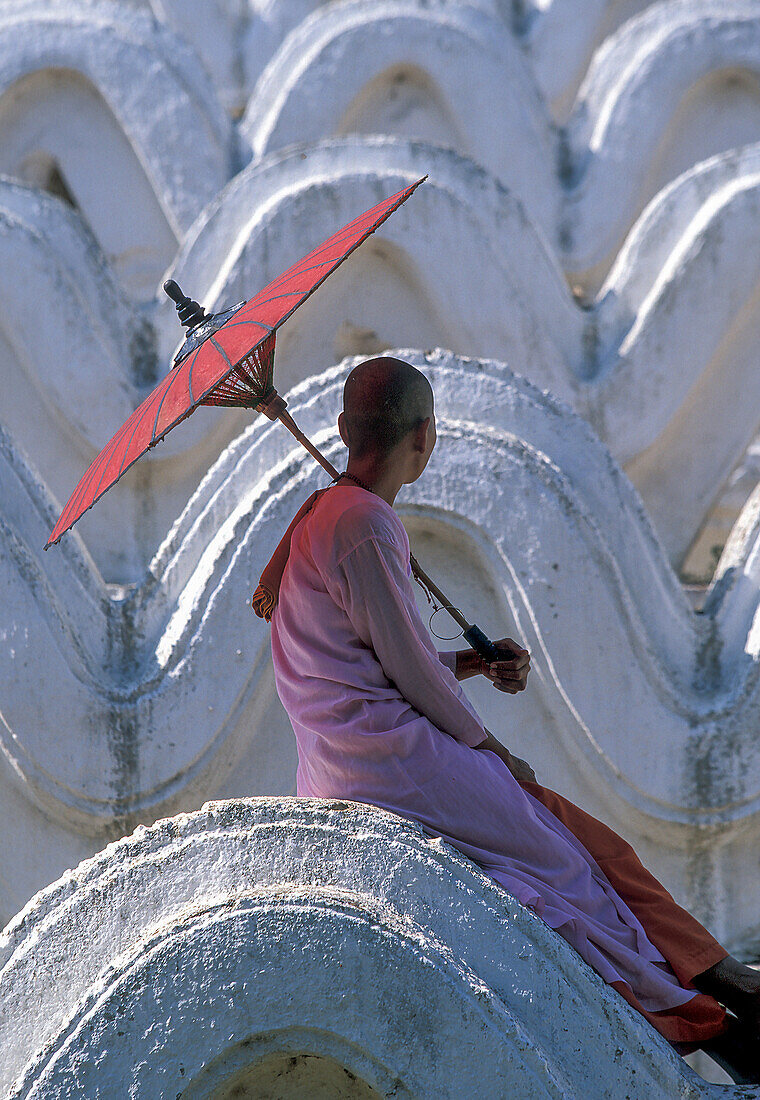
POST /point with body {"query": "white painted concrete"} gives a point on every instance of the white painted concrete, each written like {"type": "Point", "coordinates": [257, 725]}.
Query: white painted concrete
{"type": "Point", "coordinates": [674, 85]}
{"type": "Point", "coordinates": [79, 88]}
{"type": "Point", "coordinates": [667, 347]}
{"type": "Point", "coordinates": [669, 336]}
{"type": "Point", "coordinates": [447, 73]}
{"type": "Point", "coordinates": [183, 959]}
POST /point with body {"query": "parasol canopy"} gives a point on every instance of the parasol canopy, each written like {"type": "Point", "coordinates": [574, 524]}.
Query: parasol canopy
{"type": "Point", "coordinates": [227, 359]}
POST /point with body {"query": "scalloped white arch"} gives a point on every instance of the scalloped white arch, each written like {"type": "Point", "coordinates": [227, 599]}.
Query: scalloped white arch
{"type": "Point", "coordinates": [472, 59]}
{"type": "Point", "coordinates": [187, 147]}
{"type": "Point", "coordinates": [651, 63]}
{"type": "Point", "coordinates": [585, 185]}
{"type": "Point", "coordinates": [667, 344]}
{"type": "Point", "coordinates": [464, 268]}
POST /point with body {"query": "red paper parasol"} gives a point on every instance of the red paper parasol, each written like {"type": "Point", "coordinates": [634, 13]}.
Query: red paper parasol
{"type": "Point", "coordinates": [227, 359]}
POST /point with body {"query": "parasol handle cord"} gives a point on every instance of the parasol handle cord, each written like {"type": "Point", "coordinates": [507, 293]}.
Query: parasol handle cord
{"type": "Point", "coordinates": [480, 642]}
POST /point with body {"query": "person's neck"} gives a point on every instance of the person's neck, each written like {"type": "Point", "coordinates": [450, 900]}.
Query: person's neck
{"type": "Point", "coordinates": [384, 481]}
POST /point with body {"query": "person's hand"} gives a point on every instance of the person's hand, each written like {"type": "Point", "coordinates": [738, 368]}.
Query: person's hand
{"type": "Point", "coordinates": [511, 672]}
{"type": "Point", "coordinates": [520, 769]}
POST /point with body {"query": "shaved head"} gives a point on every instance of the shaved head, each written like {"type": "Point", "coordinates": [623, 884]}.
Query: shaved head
{"type": "Point", "coordinates": [383, 399]}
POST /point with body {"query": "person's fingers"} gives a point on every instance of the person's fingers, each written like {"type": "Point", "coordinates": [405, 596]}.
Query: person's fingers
{"type": "Point", "coordinates": [500, 672]}
{"type": "Point", "coordinates": [510, 685]}
{"type": "Point", "coordinates": [511, 666]}
{"type": "Point", "coordinates": [521, 661]}
{"type": "Point", "coordinates": [511, 644]}
{"type": "Point", "coordinates": [509, 675]}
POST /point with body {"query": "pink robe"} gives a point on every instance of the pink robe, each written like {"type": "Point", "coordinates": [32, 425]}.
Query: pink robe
{"type": "Point", "coordinates": [379, 717]}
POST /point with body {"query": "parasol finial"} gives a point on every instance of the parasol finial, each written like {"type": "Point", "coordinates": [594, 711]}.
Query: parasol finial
{"type": "Point", "coordinates": [190, 313]}
{"type": "Point", "coordinates": [199, 324]}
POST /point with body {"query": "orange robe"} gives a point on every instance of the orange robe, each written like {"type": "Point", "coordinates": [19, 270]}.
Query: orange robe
{"type": "Point", "coordinates": [688, 947]}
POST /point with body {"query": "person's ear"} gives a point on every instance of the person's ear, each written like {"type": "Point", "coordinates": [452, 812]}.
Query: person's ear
{"type": "Point", "coordinates": [342, 428]}
{"type": "Point", "coordinates": [421, 434]}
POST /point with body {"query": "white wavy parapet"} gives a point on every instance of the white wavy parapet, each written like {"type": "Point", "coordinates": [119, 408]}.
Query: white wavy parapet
{"type": "Point", "coordinates": [666, 345]}
{"type": "Point", "coordinates": [238, 41]}
{"type": "Point", "coordinates": [638, 708]}
{"type": "Point", "coordinates": [670, 87]}
{"type": "Point", "coordinates": [561, 38]}
{"type": "Point", "coordinates": [675, 52]}
{"type": "Point", "coordinates": [455, 75]}
{"type": "Point", "coordinates": [334, 74]}
{"type": "Point", "coordinates": [316, 936]}
{"type": "Point", "coordinates": [667, 348]}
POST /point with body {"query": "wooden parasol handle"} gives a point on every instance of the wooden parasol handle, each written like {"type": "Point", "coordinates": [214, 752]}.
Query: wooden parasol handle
{"type": "Point", "coordinates": [291, 425]}
{"type": "Point", "coordinates": [275, 407]}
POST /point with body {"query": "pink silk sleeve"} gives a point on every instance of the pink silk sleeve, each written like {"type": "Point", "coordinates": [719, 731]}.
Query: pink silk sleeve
{"type": "Point", "coordinates": [375, 592]}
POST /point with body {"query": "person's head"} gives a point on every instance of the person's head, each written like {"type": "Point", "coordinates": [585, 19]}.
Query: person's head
{"type": "Point", "coordinates": [388, 416]}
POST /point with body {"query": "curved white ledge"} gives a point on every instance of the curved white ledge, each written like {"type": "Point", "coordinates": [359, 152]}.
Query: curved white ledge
{"type": "Point", "coordinates": [325, 928]}
{"type": "Point", "coordinates": [687, 282]}
{"type": "Point", "coordinates": [654, 59]}
{"type": "Point", "coordinates": [338, 68]}
{"type": "Point", "coordinates": [62, 319]}
{"type": "Point", "coordinates": [464, 267]}
{"type": "Point", "coordinates": [462, 220]}
{"type": "Point", "coordinates": [562, 37]}
{"type": "Point", "coordinates": [63, 333]}
{"type": "Point", "coordinates": [671, 331]}
{"type": "Point", "coordinates": [464, 64]}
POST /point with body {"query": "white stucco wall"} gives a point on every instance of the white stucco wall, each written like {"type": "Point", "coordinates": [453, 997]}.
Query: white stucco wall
{"type": "Point", "coordinates": [590, 222]}
{"type": "Point", "coordinates": [663, 341]}
{"type": "Point", "coordinates": [664, 356]}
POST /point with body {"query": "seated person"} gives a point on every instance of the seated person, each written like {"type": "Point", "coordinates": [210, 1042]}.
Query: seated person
{"type": "Point", "coordinates": [379, 717]}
